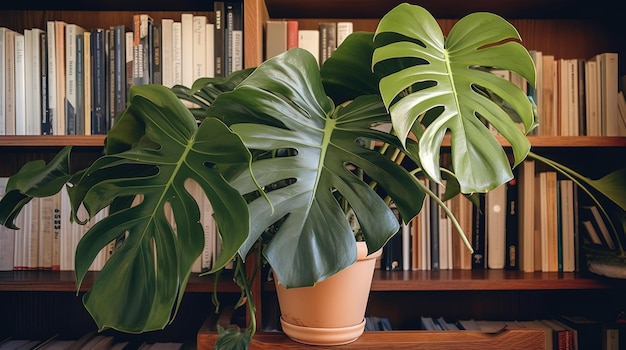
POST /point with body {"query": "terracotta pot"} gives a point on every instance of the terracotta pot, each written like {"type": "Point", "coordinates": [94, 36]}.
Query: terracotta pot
{"type": "Point", "coordinates": [333, 311]}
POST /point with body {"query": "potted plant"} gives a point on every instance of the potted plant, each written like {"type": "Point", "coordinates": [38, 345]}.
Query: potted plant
{"type": "Point", "coordinates": [277, 148]}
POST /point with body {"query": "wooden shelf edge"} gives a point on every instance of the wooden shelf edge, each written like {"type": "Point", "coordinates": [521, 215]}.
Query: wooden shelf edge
{"type": "Point", "coordinates": [435, 340]}
{"type": "Point", "coordinates": [98, 140]}
{"type": "Point", "coordinates": [64, 281]}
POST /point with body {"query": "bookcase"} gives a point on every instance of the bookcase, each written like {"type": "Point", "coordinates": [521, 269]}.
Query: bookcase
{"type": "Point", "coordinates": [37, 304]}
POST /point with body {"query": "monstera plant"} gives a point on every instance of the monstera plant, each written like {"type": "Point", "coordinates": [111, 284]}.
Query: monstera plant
{"type": "Point", "coordinates": [283, 146]}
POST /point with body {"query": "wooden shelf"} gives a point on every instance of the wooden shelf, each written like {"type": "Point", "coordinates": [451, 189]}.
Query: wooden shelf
{"type": "Point", "coordinates": [485, 280]}
{"type": "Point", "coordinates": [424, 340]}
{"type": "Point", "coordinates": [98, 141]}
{"type": "Point", "coordinates": [64, 281]}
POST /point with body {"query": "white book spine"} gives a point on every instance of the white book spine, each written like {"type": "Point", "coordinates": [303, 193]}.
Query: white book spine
{"type": "Point", "coordinates": [34, 126]}
{"type": "Point", "coordinates": [210, 50]}
{"type": "Point", "coordinates": [167, 52]}
{"type": "Point", "coordinates": [20, 85]}
{"type": "Point", "coordinates": [177, 41]}
{"type": "Point", "coordinates": [28, 82]}
{"type": "Point", "coordinates": [52, 75]}
{"type": "Point", "coordinates": [186, 20]}
{"type": "Point", "coordinates": [237, 50]}
{"type": "Point", "coordinates": [199, 47]}
{"type": "Point", "coordinates": [343, 30]}
{"type": "Point", "coordinates": [310, 41]}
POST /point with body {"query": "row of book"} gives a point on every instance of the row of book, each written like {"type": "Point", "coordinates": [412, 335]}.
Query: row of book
{"type": "Point", "coordinates": [575, 96]}
{"type": "Point", "coordinates": [68, 80]}
{"type": "Point", "coordinates": [47, 239]}
{"type": "Point", "coordinates": [535, 222]}
{"type": "Point", "coordinates": [563, 333]}
{"type": "Point", "coordinates": [90, 341]}
{"type": "Point", "coordinates": [282, 35]}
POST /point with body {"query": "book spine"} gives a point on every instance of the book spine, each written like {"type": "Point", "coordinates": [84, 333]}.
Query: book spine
{"type": "Point", "coordinates": [186, 56]}
{"type": "Point", "coordinates": [512, 225]}
{"type": "Point", "coordinates": [199, 49]}
{"type": "Point", "coordinates": [98, 119]}
{"type": "Point", "coordinates": [110, 73]}
{"type": "Point", "coordinates": [236, 49]}
{"type": "Point", "coordinates": [219, 11]}
{"type": "Point", "coordinates": [80, 85]}
{"type": "Point", "coordinates": [328, 40]}
{"type": "Point", "coordinates": [434, 227]}
{"type": "Point", "coordinates": [292, 34]}
{"type": "Point", "coordinates": [71, 32]}
{"type": "Point", "coordinates": [87, 83]}
{"type": "Point", "coordinates": [34, 122]}
{"type": "Point", "coordinates": [155, 54]}
{"type": "Point", "coordinates": [167, 58]}
{"type": "Point", "coordinates": [478, 234]}
{"type": "Point", "coordinates": [20, 85]}
{"type": "Point", "coordinates": [177, 41]}
{"type": "Point", "coordinates": [119, 71]}
{"type": "Point", "coordinates": [52, 77]}
{"type": "Point", "coordinates": [46, 128]}
{"type": "Point", "coordinates": [9, 83]}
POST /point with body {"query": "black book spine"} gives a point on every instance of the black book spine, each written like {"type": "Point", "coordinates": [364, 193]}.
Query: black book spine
{"type": "Point", "coordinates": [434, 227]}
{"type": "Point", "coordinates": [219, 38]}
{"type": "Point", "coordinates": [512, 228]}
{"type": "Point", "coordinates": [479, 257]}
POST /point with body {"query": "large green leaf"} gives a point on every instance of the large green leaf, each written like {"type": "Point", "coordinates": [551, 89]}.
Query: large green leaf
{"type": "Point", "coordinates": [315, 240]}
{"type": "Point", "coordinates": [447, 88]}
{"type": "Point", "coordinates": [141, 285]}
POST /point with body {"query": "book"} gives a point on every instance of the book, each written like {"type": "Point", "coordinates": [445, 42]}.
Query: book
{"type": "Point", "coordinates": [495, 226]}
{"type": "Point", "coordinates": [209, 47]}
{"type": "Point", "coordinates": [275, 38]}
{"type": "Point", "coordinates": [72, 31]}
{"type": "Point", "coordinates": [392, 251]}
{"type": "Point", "coordinates": [548, 125]}
{"type": "Point", "coordinates": [141, 48]}
{"type": "Point", "coordinates": [608, 79]}
{"type": "Point", "coordinates": [3, 68]}
{"type": "Point", "coordinates": [511, 258]}
{"type": "Point", "coordinates": [87, 83]}
{"type": "Point", "coordinates": [234, 13]}
{"type": "Point", "coordinates": [60, 52]}
{"type": "Point", "coordinates": [99, 87]}
{"type": "Point", "coordinates": [344, 29]}
{"type": "Point", "coordinates": [328, 40]}
{"type": "Point", "coordinates": [167, 52]}
{"type": "Point", "coordinates": [79, 122]}
{"type": "Point", "coordinates": [433, 217]}
{"type": "Point", "coordinates": [526, 218]}
{"type": "Point", "coordinates": [546, 191]}
{"type": "Point", "coordinates": [154, 54]}
{"type": "Point", "coordinates": [567, 224]}
{"type": "Point", "coordinates": [33, 126]}
{"type": "Point", "coordinates": [22, 128]}
{"type": "Point", "coordinates": [45, 127]}
{"type": "Point", "coordinates": [479, 234]}
{"type": "Point", "coordinates": [219, 10]}
{"type": "Point", "coordinates": [20, 84]}
{"type": "Point", "coordinates": [177, 59]}
{"type": "Point", "coordinates": [117, 49]}
{"type": "Point", "coordinates": [9, 82]}
{"type": "Point", "coordinates": [199, 46]}
{"type": "Point", "coordinates": [308, 39]}
{"type": "Point", "coordinates": [187, 49]}
{"type": "Point", "coordinates": [592, 99]}
{"type": "Point", "coordinates": [292, 34]}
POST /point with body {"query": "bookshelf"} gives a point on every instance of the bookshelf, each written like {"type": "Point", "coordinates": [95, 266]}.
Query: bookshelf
{"type": "Point", "coordinates": [36, 298]}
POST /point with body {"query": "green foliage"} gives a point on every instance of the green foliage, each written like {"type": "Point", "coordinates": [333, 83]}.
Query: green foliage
{"type": "Point", "coordinates": [277, 148]}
